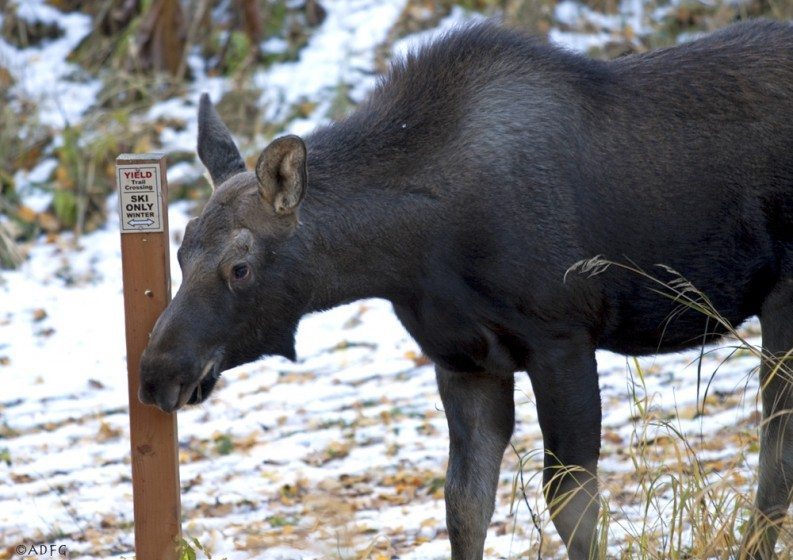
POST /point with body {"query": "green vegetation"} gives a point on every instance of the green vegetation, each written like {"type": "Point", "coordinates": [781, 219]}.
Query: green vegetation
{"type": "Point", "coordinates": [22, 33]}
{"type": "Point", "coordinates": [189, 548]}
{"type": "Point", "coordinates": [224, 444]}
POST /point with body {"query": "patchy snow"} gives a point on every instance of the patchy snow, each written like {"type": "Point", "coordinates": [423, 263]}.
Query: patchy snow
{"type": "Point", "coordinates": [341, 454]}
{"type": "Point", "coordinates": [578, 42]}
{"type": "Point", "coordinates": [457, 18]}
{"type": "Point", "coordinates": [570, 17]}
{"type": "Point", "coordinates": [42, 73]}
{"type": "Point", "coordinates": [340, 52]}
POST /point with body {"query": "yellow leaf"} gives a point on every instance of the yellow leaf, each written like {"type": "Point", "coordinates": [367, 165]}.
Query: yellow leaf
{"type": "Point", "coordinates": [63, 178]}
{"type": "Point", "coordinates": [48, 222]}
{"type": "Point", "coordinates": [26, 214]}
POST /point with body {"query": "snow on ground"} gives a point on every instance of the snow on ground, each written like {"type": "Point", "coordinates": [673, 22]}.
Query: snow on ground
{"type": "Point", "coordinates": [341, 52]}
{"type": "Point", "coordinates": [42, 72]}
{"type": "Point", "coordinates": [339, 455]}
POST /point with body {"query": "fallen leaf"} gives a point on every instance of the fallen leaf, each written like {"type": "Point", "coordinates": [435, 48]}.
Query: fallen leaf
{"type": "Point", "coordinates": [94, 384]}
{"type": "Point", "coordinates": [26, 214]}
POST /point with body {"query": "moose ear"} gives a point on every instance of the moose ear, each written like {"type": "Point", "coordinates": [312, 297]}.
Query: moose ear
{"type": "Point", "coordinates": [281, 172]}
{"type": "Point", "coordinates": [216, 147]}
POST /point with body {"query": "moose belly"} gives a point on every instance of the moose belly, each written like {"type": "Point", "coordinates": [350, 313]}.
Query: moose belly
{"type": "Point", "coordinates": [643, 322]}
{"type": "Point", "coordinates": [457, 342]}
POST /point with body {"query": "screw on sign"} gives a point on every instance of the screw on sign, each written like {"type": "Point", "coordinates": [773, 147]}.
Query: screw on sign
{"type": "Point", "coordinates": [143, 212]}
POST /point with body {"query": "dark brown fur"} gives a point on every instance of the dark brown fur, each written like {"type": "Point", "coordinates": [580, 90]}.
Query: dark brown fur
{"type": "Point", "coordinates": [478, 172]}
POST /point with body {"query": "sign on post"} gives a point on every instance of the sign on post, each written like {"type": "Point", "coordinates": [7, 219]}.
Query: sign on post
{"type": "Point", "coordinates": [143, 208]}
{"type": "Point", "coordinates": [140, 197]}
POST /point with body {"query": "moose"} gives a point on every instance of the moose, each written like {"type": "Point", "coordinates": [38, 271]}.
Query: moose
{"type": "Point", "coordinates": [479, 171]}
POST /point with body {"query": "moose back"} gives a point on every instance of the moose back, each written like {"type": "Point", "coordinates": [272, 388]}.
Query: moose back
{"type": "Point", "coordinates": [478, 172]}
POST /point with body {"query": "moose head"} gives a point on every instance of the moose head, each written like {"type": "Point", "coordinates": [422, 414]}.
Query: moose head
{"type": "Point", "coordinates": [238, 299]}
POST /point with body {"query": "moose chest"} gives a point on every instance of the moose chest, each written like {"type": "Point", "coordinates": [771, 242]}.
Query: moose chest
{"type": "Point", "coordinates": [460, 338]}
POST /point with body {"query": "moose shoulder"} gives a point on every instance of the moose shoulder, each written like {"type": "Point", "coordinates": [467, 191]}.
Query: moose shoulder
{"type": "Point", "coordinates": [478, 172]}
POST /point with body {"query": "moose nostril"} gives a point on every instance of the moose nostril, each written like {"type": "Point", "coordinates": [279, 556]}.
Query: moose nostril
{"type": "Point", "coordinates": [147, 392]}
{"type": "Point", "coordinates": [167, 398]}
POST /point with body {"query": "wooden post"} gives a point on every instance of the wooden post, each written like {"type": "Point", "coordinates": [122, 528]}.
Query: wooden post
{"type": "Point", "coordinates": [143, 206]}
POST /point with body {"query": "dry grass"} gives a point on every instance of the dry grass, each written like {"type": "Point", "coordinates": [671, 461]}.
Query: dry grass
{"type": "Point", "coordinates": [678, 502]}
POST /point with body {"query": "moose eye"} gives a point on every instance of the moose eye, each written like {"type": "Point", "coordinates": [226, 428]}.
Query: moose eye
{"type": "Point", "coordinates": [240, 272]}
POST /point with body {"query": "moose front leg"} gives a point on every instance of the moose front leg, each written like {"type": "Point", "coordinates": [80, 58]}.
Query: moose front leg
{"type": "Point", "coordinates": [480, 411]}
{"type": "Point", "coordinates": [563, 374]}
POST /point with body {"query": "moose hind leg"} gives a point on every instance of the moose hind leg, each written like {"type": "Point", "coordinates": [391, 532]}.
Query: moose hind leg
{"type": "Point", "coordinates": [480, 411]}
{"type": "Point", "coordinates": [564, 377]}
{"type": "Point", "coordinates": [776, 432]}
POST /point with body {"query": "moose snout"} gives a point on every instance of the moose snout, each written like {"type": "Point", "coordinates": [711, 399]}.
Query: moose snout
{"type": "Point", "coordinates": [169, 380]}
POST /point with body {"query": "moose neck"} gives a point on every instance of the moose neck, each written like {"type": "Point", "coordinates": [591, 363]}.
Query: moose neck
{"type": "Point", "coordinates": [361, 225]}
